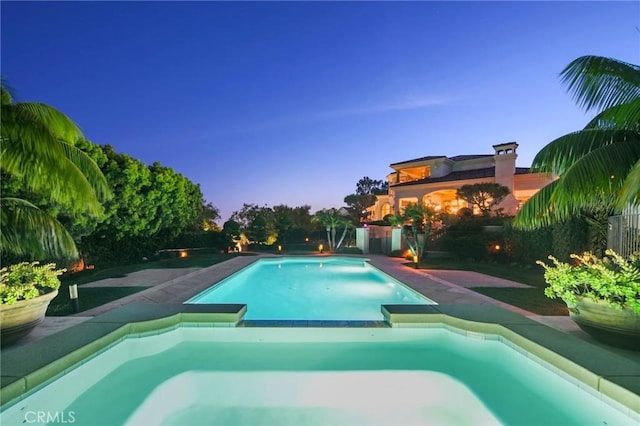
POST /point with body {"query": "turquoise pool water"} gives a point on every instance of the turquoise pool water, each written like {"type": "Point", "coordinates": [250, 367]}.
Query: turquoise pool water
{"type": "Point", "coordinates": [316, 376]}
{"type": "Point", "coordinates": [305, 288]}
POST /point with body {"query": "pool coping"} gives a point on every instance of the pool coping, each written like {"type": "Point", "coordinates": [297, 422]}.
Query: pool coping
{"type": "Point", "coordinates": [600, 370]}
{"type": "Point", "coordinates": [26, 367]}
{"type": "Point", "coordinates": [180, 289]}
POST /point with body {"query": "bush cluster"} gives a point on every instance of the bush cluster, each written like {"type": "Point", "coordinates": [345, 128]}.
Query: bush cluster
{"type": "Point", "coordinates": [469, 239]}
{"type": "Point", "coordinates": [525, 247]}
{"type": "Point", "coordinates": [28, 280]}
{"type": "Point", "coordinates": [611, 279]}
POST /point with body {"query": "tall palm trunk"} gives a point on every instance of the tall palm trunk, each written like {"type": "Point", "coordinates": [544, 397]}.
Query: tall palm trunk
{"type": "Point", "coordinates": [344, 233]}
{"type": "Point", "coordinates": [329, 238]}
{"type": "Point", "coordinates": [333, 238]}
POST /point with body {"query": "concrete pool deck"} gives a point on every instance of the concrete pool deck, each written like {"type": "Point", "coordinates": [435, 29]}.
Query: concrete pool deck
{"type": "Point", "coordinates": [171, 286]}
{"type": "Point", "coordinates": [61, 341]}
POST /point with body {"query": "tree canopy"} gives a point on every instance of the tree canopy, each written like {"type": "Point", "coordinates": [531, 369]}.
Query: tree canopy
{"type": "Point", "coordinates": [484, 195]}
{"type": "Point", "coordinates": [415, 221]}
{"type": "Point", "coordinates": [256, 223]}
{"type": "Point", "coordinates": [332, 219]}
{"type": "Point", "coordinates": [151, 207]}
{"type": "Point", "coordinates": [364, 197]}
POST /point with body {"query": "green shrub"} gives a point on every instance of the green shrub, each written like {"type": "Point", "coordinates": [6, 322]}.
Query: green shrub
{"type": "Point", "coordinates": [570, 236]}
{"type": "Point", "coordinates": [310, 247]}
{"type": "Point", "coordinates": [526, 247]}
{"type": "Point", "coordinates": [349, 250]}
{"type": "Point", "coordinates": [202, 239]}
{"type": "Point", "coordinates": [24, 281]}
{"type": "Point", "coordinates": [467, 239]}
{"type": "Point", "coordinates": [611, 279]}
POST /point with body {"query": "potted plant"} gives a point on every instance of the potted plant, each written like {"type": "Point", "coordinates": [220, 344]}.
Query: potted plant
{"type": "Point", "coordinates": [602, 294]}
{"type": "Point", "coordinates": [25, 292]}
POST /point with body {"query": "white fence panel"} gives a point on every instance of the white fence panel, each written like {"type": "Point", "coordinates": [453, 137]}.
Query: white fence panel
{"type": "Point", "coordinates": [624, 234]}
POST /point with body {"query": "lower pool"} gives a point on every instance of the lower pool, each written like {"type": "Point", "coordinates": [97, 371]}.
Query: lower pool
{"type": "Point", "coordinates": [316, 376]}
{"type": "Point", "coordinates": [311, 288]}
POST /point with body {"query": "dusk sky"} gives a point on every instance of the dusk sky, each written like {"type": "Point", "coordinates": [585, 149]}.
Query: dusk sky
{"type": "Point", "coordinates": [293, 102]}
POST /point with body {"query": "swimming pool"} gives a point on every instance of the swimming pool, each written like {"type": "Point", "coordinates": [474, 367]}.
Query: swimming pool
{"type": "Point", "coordinates": [316, 376]}
{"type": "Point", "coordinates": [311, 288]}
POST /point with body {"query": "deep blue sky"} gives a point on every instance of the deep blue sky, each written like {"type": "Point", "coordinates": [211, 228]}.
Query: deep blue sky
{"type": "Point", "coordinates": [293, 102]}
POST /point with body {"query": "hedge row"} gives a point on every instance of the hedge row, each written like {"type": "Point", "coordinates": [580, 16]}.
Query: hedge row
{"type": "Point", "coordinates": [478, 238]}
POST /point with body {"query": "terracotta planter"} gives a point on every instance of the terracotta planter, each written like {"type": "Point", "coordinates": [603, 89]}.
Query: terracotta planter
{"type": "Point", "coordinates": [617, 327]}
{"type": "Point", "coordinates": [18, 319]}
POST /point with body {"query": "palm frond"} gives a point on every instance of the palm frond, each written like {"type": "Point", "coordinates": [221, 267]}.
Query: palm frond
{"type": "Point", "coordinates": [62, 182]}
{"type": "Point", "coordinates": [562, 153]}
{"type": "Point", "coordinates": [599, 165]}
{"type": "Point", "coordinates": [88, 168]}
{"type": "Point", "coordinates": [598, 82]}
{"type": "Point", "coordinates": [58, 123]}
{"type": "Point", "coordinates": [34, 149]}
{"type": "Point", "coordinates": [36, 145]}
{"type": "Point", "coordinates": [25, 229]}
{"type": "Point", "coordinates": [630, 191]}
{"type": "Point", "coordinates": [537, 212]}
{"type": "Point", "coordinates": [72, 188]}
{"type": "Point", "coordinates": [31, 132]}
{"type": "Point", "coordinates": [623, 116]}
{"type": "Point", "coordinates": [6, 92]}
{"type": "Point", "coordinates": [596, 179]}
{"type": "Point", "coordinates": [26, 139]}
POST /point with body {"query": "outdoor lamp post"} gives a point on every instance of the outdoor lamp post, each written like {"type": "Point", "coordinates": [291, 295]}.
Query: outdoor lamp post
{"type": "Point", "coordinates": [73, 297]}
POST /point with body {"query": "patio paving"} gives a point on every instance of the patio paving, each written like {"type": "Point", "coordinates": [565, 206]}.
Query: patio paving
{"type": "Point", "coordinates": [144, 278]}
{"type": "Point", "coordinates": [469, 279]}
{"type": "Point", "coordinates": [170, 286]}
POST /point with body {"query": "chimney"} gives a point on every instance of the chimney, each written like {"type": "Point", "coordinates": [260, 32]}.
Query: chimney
{"type": "Point", "coordinates": [505, 162]}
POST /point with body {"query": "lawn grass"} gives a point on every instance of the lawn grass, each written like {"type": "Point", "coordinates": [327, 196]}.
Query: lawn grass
{"type": "Point", "coordinates": [530, 299]}
{"type": "Point", "coordinates": [89, 298]}
{"type": "Point", "coordinates": [92, 297]}
{"type": "Point", "coordinates": [195, 260]}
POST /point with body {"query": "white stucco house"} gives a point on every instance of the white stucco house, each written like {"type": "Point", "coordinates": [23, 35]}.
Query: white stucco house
{"type": "Point", "coordinates": [434, 180]}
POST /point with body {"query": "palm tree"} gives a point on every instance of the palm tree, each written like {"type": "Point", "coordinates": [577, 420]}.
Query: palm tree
{"type": "Point", "coordinates": [37, 146]}
{"type": "Point", "coordinates": [332, 219]}
{"type": "Point", "coordinates": [600, 164]}
{"type": "Point", "coordinates": [415, 221]}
